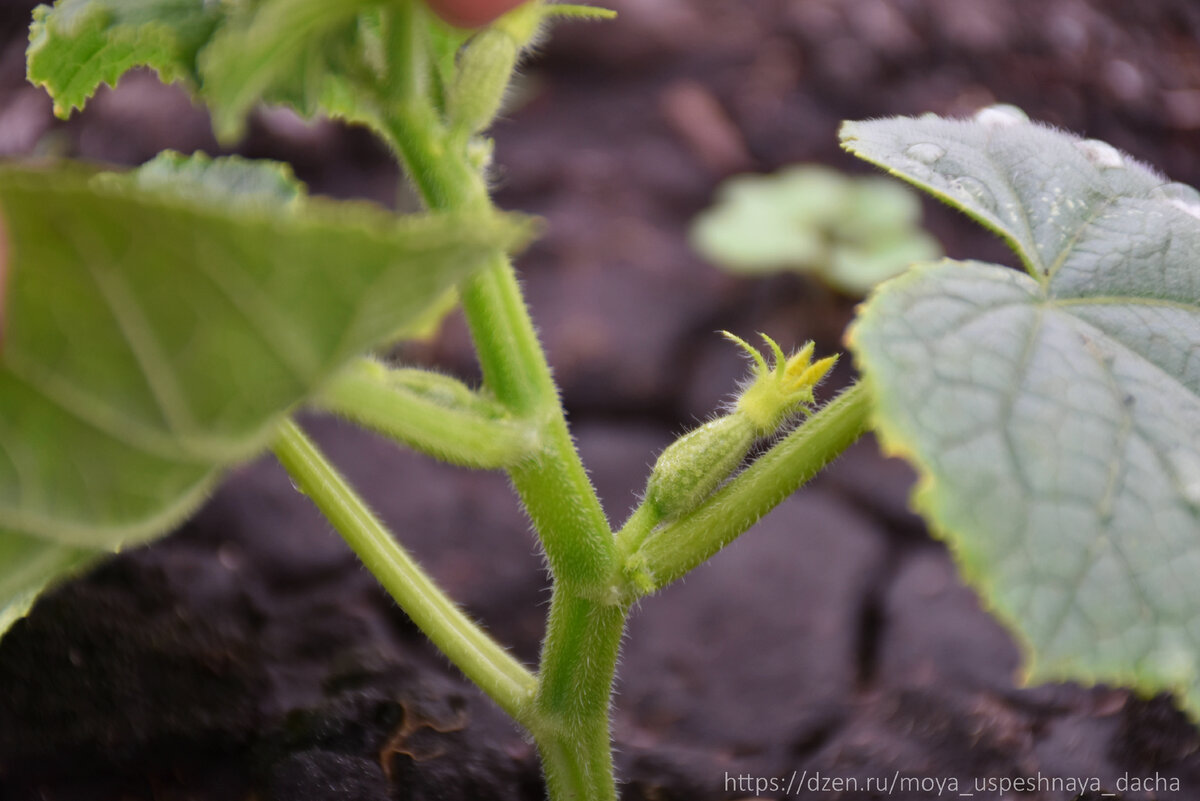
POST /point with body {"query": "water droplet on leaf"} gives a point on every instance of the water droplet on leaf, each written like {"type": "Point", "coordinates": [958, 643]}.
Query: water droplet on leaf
{"type": "Point", "coordinates": [1001, 115]}
{"type": "Point", "coordinates": [1186, 465]}
{"type": "Point", "coordinates": [1182, 197]}
{"type": "Point", "coordinates": [975, 190]}
{"type": "Point", "coordinates": [1102, 154]}
{"type": "Point", "coordinates": [925, 152]}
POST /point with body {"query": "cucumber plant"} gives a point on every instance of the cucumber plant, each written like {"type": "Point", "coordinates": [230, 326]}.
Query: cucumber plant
{"type": "Point", "coordinates": [163, 324]}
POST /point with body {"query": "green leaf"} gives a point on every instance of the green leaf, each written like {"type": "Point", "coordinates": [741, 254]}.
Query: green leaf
{"type": "Point", "coordinates": [1054, 415]}
{"type": "Point", "coordinates": [300, 53]}
{"type": "Point", "coordinates": [28, 565]}
{"type": "Point", "coordinates": [852, 233]}
{"type": "Point", "coordinates": [157, 332]}
{"type": "Point", "coordinates": [79, 44]}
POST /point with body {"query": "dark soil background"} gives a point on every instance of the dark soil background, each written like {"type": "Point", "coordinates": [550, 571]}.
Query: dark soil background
{"type": "Point", "coordinates": [249, 656]}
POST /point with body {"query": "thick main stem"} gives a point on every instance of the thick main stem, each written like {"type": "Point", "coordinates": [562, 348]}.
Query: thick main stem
{"type": "Point", "coordinates": [587, 616]}
{"type": "Point", "coordinates": [575, 683]}
{"type": "Point", "coordinates": [554, 488]}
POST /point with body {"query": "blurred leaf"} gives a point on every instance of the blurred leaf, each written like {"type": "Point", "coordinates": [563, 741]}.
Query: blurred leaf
{"type": "Point", "coordinates": [315, 56]}
{"type": "Point", "coordinates": [1054, 415]}
{"type": "Point", "coordinates": [225, 180]}
{"type": "Point", "coordinates": [299, 53]}
{"type": "Point", "coordinates": [426, 325]}
{"type": "Point", "coordinates": [28, 565]}
{"type": "Point", "coordinates": [79, 44]}
{"type": "Point", "coordinates": [852, 233]}
{"type": "Point", "coordinates": [158, 330]}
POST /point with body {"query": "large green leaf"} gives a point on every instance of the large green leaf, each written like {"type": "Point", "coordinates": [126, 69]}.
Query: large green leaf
{"type": "Point", "coordinates": [157, 330]}
{"type": "Point", "coordinates": [303, 53]}
{"type": "Point", "coordinates": [1054, 414]}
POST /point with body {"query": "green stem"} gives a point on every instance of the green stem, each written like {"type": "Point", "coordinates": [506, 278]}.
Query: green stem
{"type": "Point", "coordinates": [457, 434]}
{"type": "Point", "coordinates": [555, 488]}
{"type": "Point", "coordinates": [514, 365]}
{"type": "Point", "coordinates": [579, 661]}
{"type": "Point", "coordinates": [671, 550]}
{"type": "Point", "coordinates": [442, 176]}
{"type": "Point", "coordinates": [483, 661]}
{"type": "Point", "coordinates": [637, 528]}
{"type": "Point", "coordinates": [579, 653]}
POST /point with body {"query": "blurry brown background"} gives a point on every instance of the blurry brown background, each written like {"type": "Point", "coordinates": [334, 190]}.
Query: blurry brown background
{"type": "Point", "coordinates": [250, 656]}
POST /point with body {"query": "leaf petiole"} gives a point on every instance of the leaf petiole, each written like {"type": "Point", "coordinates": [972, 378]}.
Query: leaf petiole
{"type": "Point", "coordinates": [468, 646]}
{"type": "Point", "coordinates": [432, 414]}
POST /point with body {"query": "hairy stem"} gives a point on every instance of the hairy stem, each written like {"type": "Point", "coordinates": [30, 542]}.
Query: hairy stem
{"type": "Point", "coordinates": [579, 662]}
{"type": "Point", "coordinates": [579, 653]}
{"type": "Point", "coordinates": [554, 488]}
{"type": "Point", "coordinates": [483, 661]}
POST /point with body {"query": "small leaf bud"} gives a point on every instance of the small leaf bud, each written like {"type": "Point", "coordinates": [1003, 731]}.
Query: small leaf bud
{"type": "Point", "coordinates": [484, 69]}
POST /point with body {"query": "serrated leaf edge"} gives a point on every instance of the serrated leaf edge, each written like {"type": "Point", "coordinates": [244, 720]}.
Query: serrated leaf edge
{"type": "Point", "coordinates": [39, 40]}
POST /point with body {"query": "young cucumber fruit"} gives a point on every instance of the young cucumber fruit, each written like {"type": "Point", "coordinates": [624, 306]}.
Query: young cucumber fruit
{"type": "Point", "coordinates": [691, 468]}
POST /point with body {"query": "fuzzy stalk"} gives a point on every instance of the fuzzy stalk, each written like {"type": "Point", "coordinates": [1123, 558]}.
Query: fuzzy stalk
{"type": "Point", "coordinates": [470, 648]}
{"type": "Point", "coordinates": [554, 488]}
{"type": "Point", "coordinates": [586, 620]}
{"type": "Point", "coordinates": [579, 661]}
{"type": "Point", "coordinates": [671, 550]}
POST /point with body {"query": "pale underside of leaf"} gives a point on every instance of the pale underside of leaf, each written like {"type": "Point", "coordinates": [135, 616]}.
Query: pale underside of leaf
{"type": "Point", "coordinates": [153, 340]}
{"type": "Point", "coordinates": [1055, 416]}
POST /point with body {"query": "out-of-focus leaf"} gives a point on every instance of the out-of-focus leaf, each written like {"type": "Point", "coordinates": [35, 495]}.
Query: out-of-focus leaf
{"type": "Point", "coordinates": [225, 180]}
{"type": "Point", "coordinates": [300, 53]}
{"type": "Point", "coordinates": [157, 331]}
{"type": "Point", "coordinates": [852, 233]}
{"type": "Point", "coordinates": [77, 45]}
